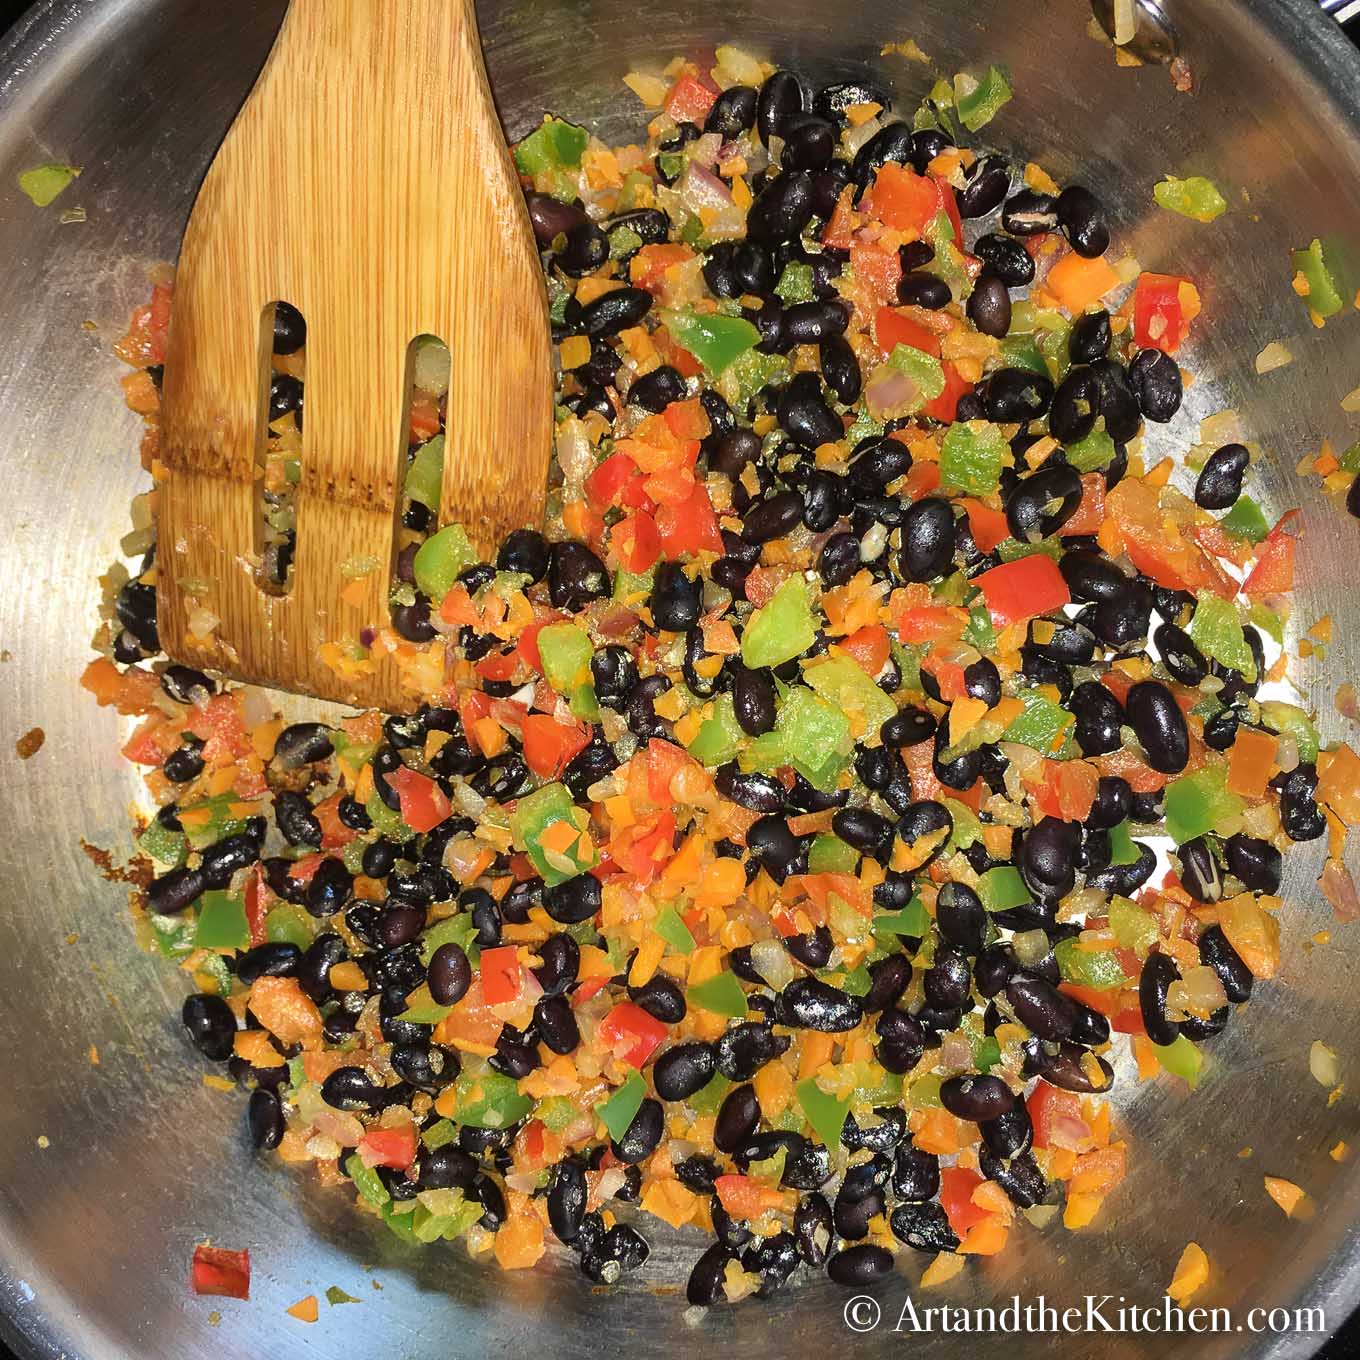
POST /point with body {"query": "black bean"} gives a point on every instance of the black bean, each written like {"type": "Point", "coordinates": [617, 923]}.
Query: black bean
{"type": "Point", "coordinates": [753, 268]}
{"type": "Point", "coordinates": [948, 979]}
{"type": "Point", "coordinates": [1218, 954]}
{"type": "Point", "coordinates": [586, 248]}
{"type": "Point", "coordinates": [222, 861]}
{"type": "Point", "coordinates": [656, 390]}
{"type": "Point", "coordinates": [175, 891]}
{"type": "Point", "coordinates": [1220, 480]}
{"type": "Point", "coordinates": [924, 828]}
{"type": "Point", "coordinates": [1018, 1176]}
{"type": "Point", "coordinates": [1040, 1007]}
{"type": "Point", "coordinates": [1159, 725]}
{"type": "Point", "coordinates": [753, 701]}
{"type": "Point", "coordinates": [804, 415]}
{"type": "Point", "coordinates": [908, 727]}
{"type": "Point", "coordinates": [1076, 404]}
{"type": "Point", "coordinates": [1049, 854]}
{"type": "Point", "coordinates": [576, 900]}
{"type": "Point", "coordinates": [1099, 718]}
{"type": "Point", "coordinates": [1119, 403]}
{"type": "Point", "coordinates": [919, 289]}
{"type": "Point", "coordinates": [915, 1174]}
{"type": "Point", "coordinates": [1180, 656]}
{"type": "Point", "coordinates": [782, 209]}
{"type": "Point", "coordinates": [264, 1118]}
{"type": "Point", "coordinates": [651, 224]}
{"type": "Point", "coordinates": [567, 1193]}
{"type": "Point", "coordinates": [961, 917]}
{"type": "Point", "coordinates": [329, 889]}
{"type": "Point", "coordinates": [290, 330]}
{"type": "Point", "coordinates": [773, 846]}
{"type": "Point", "coordinates": [745, 1048]}
{"type": "Point", "coordinates": [812, 950]}
{"type": "Point", "coordinates": [808, 143]}
{"type": "Point", "coordinates": [1256, 862]}
{"type": "Point", "coordinates": [1125, 879]}
{"type": "Point", "coordinates": [888, 982]}
{"type": "Point", "coordinates": [1030, 213]}
{"type": "Point", "coordinates": [737, 1118]}
{"type": "Point", "coordinates": [1159, 972]}
{"type": "Point", "coordinates": [556, 1024]}
{"type": "Point", "coordinates": [891, 143]}
{"type": "Point", "coordinates": [821, 501]}
{"type": "Point", "coordinates": [813, 1228]}
{"type": "Point", "coordinates": [989, 305]}
{"type": "Point", "coordinates": [491, 1198]}
{"type": "Point", "coordinates": [1299, 813]}
{"type": "Point", "coordinates": [613, 673]}
{"type": "Point", "coordinates": [840, 369]}
{"type": "Point", "coordinates": [732, 452]}
{"type": "Point", "coordinates": [681, 1071]}
{"type": "Point", "coordinates": [182, 683]}
{"type": "Point", "coordinates": [1353, 498]}
{"type": "Point", "coordinates": [881, 1136]}
{"type": "Point", "coordinates": [640, 707]}
{"type": "Point", "coordinates": [561, 957]}
{"type": "Point", "coordinates": [781, 96]}
{"type": "Point", "coordinates": [661, 998]}
{"type": "Point", "coordinates": [705, 1284]}
{"type": "Point", "coordinates": [1016, 395]}
{"type": "Point", "coordinates": [446, 1168]}
{"type": "Point", "coordinates": [923, 1227]}
{"type": "Point", "coordinates": [1090, 337]}
{"type": "Point", "coordinates": [615, 311]}
{"type": "Point", "coordinates": [733, 112]}
{"type": "Point", "coordinates": [350, 1088]}
{"type": "Point", "coordinates": [676, 600]}
{"type": "Point", "coordinates": [985, 188]}
{"type": "Point", "coordinates": [903, 1040]}
{"type": "Point", "coordinates": [839, 559]}
{"type": "Point", "coordinates": [1082, 220]}
{"type": "Point", "coordinates": [1113, 804]}
{"type": "Point", "coordinates": [273, 959]}
{"type": "Point", "coordinates": [810, 1003]}
{"type": "Point", "coordinates": [1156, 382]}
{"type": "Point", "coordinates": [772, 517]}
{"type": "Point", "coordinates": [551, 217]}
{"type": "Point", "coordinates": [1199, 873]}
{"type": "Point", "coordinates": [855, 1267]}
{"type": "Point", "coordinates": [993, 968]}
{"type": "Point", "coordinates": [810, 323]}
{"type": "Point", "coordinates": [1091, 576]}
{"type": "Point", "coordinates": [1005, 259]}
{"type": "Point", "coordinates": [1009, 1134]}
{"type": "Point", "coordinates": [753, 790]}
{"type": "Point", "coordinates": [928, 539]}
{"type": "Point", "coordinates": [862, 828]}
{"type": "Point", "coordinates": [211, 1025]}
{"type": "Point", "coordinates": [575, 576]}
{"type": "Point", "coordinates": [977, 1098]}
{"type": "Point", "coordinates": [1043, 502]}
{"type": "Point", "coordinates": [295, 820]}
{"type": "Point", "coordinates": [851, 1213]}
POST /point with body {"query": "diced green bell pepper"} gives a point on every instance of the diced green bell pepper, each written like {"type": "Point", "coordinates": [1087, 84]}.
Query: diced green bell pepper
{"type": "Point", "coordinates": [1020, 351]}
{"type": "Point", "coordinates": [425, 475]}
{"type": "Point", "coordinates": [1245, 520]}
{"type": "Point", "coordinates": [972, 456]}
{"type": "Point", "coordinates": [707, 1099]}
{"type": "Point", "coordinates": [220, 822]}
{"type": "Point", "coordinates": [824, 1112]}
{"type": "Point", "coordinates": [565, 651]}
{"type": "Point", "coordinates": [1196, 803]}
{"type": "Point", "coordinates": [1216, 629]}
{"type": "Point", "coordinates": [1266, 619]}
{"type": "Point", "coordinates": [400, 1218]}
{"type": "Point", "coordinates": [632, 587]}
{"type": "Point", "coordinates": [967, 828]}
{"type": "Point", "coordinates": [715, 341]}
{"type": "Point", "coordinates": [1320, 273]}
{"type": "Point", "coordinates": [1134, 927]}
{"type": "Point", "coordinates": [366, 1181]}
{"type": "Point", "coordinates": [795, 284]}
{"type": "Point", "coordinates": [619, 1110]}
{"type": "Point", "coordinates": [1093, 453]}
{"type": "Point", "coordinates": [386, 821]}
{"type": "Point", "coordinates": [1042, 725]}
{"type": "Point", "coordinates": [1290, 720]}
{"type": "Point", "coordinates": [288, 924]}
{"type": "Point", "coordinates": [45, 183]}
{"type": "Point", "coordinates": [814, 735]}
{"type": "Point", "coordinates": [1182, 1059]}
{"type": "Point", "coordinates": [911, 923]}
{"type": "Point", "coordinates": [532, 816]}
{"type": "Point", "coordinates": [782, 629]}
{"type": "Point", "coordinates": [623, 241]}
{"type": "Point", "coordinates": [925, 371]}
{"type": "Point", "coordinates": [846, 685]}
{"type": "Point", "coordinates": [747, 374]}
{"type": "Point", "coordinates": [673, 930]}
{"type": "Point", "coordinates": [440, 560]}
{"type": "Point", "coordinates": [1196, 198]}
{"type": "Point", "coordinates": [1098, 968]}
{"type": "Point", "coordinates": [440, 1134]}
{"type": "Point", "coordinates": [222, 922]}
{"type": "Point", "coordinates": [980, 633]}
{"type": "Point", "coordinates": [721, 994]}
{"type": "Point", "coordinates": [489, 1100]}
{"type": "Point", "coordinates": [1002, 887]}
{"type": "Point", "coordinates": [864, 426]}
{"type": "Point", "coordinates": [829, 854]}
{"type": "Point", "coordinates": [1122, 849]}
{"type": "Point", "coordinates": [557, 1113]}
{"type": "Point", "coordinates": [174, 935]}
{"type": "Point", "coordinates": [948, 263]}
{"type": "Point", "coordinates": [719, 736]}
{"type": "Point", "coordinates": [166, 846]}
{"type": "Point", "coordinates": [977, 102]}
{"type": "Point", "coordinates": [553, 145]}
{"type": "Point", "coordinates": [1010, 550]}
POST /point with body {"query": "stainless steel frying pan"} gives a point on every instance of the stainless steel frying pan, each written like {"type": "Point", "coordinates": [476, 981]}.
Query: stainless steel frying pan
{"type": "Point", "coordinates": [110, 1173]}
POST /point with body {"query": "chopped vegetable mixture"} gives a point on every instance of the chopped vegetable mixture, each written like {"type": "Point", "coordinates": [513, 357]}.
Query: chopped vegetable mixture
{"type": "Point", "coordinates": [771, 847]}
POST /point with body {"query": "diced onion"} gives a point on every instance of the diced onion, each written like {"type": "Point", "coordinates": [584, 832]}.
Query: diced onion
{"type": "Point", "coordinates": [1274, 356]}
{"type": "Point", "coordinates": [855, 137]}
{"type": "Point", "coordinates": [1338, 887]}
{"type": "Point", "coordinates": [1125, 25]}
{"type": "Point", "coordinates": [430, 373]}
{"type": "Point", "coordinates": [1031, 947]}
{"type": "Point", "coordinates": [772, 961]}
{"type": "Point", "coordinates": [1351, 401]}
{"type": "Point", "coordinates": [1324, 1064]}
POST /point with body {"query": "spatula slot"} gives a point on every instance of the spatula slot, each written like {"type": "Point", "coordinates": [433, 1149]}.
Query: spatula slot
{"type": "Point", "coordinates": [283, 342]}
{"type": "Point", "coordinates": [427, 387]}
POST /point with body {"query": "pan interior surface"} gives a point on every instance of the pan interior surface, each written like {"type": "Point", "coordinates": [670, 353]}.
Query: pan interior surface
{"type": "Point", "coordinates": [110, 1173]}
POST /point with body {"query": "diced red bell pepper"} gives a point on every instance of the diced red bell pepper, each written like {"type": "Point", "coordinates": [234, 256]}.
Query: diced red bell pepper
{"type": "Point", "coordinates": [948, 673]}
{"type": "Point", "coordinates": [893, 327]}
{"type": "Point", "coordinates": [902, 199]}
{"type": "Point", "coordinates": [743, 1197]}
{"type": "Point", "coordinates": [630, 1033]}
{"type": "Point", "coordinates": [590, 987]}
{"type": "Point", "coordinates": [647, 269]}
{"type": "Point", "coordinates": [922, 479]}
{"type": "Point", "coordinates": [870, 647]}
{"type": "Point", "coordinates": [838, 232]}
{"type": "Point", "coordinates": [1090, 512]}
{"type": "Point", "coordinates": [646, 847]}
{"type": "Point", "coordinates": [334, 833]}
{"type": "Point", "coordinates": [424, 805]}
{"type": "Point", "coordinates": [424, 418]}
{"type": "Point", "coordinates": [664, 761]}
{"type": "Point", "coordinates": [690, 527]}
{"type": "Point", "coordinates": [1023, 589]}
{"type": "Point", "coordinates": [220, 1273]}
{"type": "Point", "coordinates": [636, 542]}
{"type": "Point", "coordinates": [502, 976]}
{"type": "Point", "coordinates": [258, 900]}
{"type": "Point", "coordinates": [550, 746]}
{"type": "Point", "coordinates": [395, 1148]}
{"type": "Point", "coordinates": [498, 665]}
{"type": "Point", "coordinates": [950, 204]}
{"type": "Point", "coordinates": [1273, 573]}
{"type": "Point", "coordinates": [945, 407]}
{"type": "Point", "coordinates": [1053, 1111]}
{"type": "Point", "coordinates": [957, 1184]}
{"type": "Point", "coordinates": [929, 623]}
{"type": "Point", "coordinates": [617, 481]}
{"type": "Point", "coordinates": [1117, 1005]}
{"type": "Point", "coordinates": [1164, 305]}
{"type": "Point", "coordinates": [690, 99]}
{"type": "Point", "coordinates": [153, 740]}
{"type": "Point", "coordinates": [987, 526]}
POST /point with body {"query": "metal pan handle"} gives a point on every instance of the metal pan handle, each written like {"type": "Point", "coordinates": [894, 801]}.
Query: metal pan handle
{"type": "Point", "coordinates": [1155, 38]}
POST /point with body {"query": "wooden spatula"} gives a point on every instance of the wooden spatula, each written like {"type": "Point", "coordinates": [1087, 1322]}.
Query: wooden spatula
{"type": "Point", "coordinates": [367, 182]}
